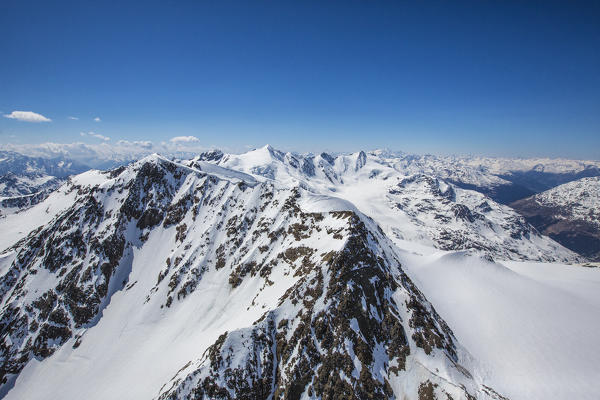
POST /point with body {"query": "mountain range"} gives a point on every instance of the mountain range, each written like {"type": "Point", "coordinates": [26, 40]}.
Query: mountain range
{"type": "Point", "coordinates": [276, 275]}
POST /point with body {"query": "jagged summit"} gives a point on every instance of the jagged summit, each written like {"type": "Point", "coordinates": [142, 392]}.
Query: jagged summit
{"type": "Point", "coordinates": [413, 208]}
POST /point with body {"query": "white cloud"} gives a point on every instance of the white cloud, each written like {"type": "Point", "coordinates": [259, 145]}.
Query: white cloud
{"type": "Point", "coordinates": [184, 139]}
{"type": "Point", "coordinates": [97, 119]}
{"type": "Point", "coordinates": [27, 116]}
{"type": "Point", "coordinates": [73, 118]}
{"type": "Point", "coordinates": [96, 135]}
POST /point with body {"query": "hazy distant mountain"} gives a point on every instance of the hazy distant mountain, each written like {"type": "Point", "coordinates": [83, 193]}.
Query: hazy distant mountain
{"type": "Point", "coordinates": [25, 181]}
{"type": "Point", "coordinates": [104, 155]}
{"type": "Point", "coordinates": [20, 174]}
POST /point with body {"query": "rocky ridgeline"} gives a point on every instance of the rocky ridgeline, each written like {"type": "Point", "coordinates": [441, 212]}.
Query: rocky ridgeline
{"type": "Point", "coordinates": [354, 326]}
{"type": "Point", "coordinates": [349, 322]}
{"type": "Point", "coordinates": [64, 273]}
{"type": "Point", "coordinates": [420, 207]}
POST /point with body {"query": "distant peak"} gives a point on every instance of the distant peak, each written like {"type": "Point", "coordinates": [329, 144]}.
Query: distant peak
{"type": "Point", "coordinates": [327, 157]}
{"type": "Point", "coordinates": [268, 148]}
{"type": "Point", "coordinates": [361, 160]}
{"type": "Point", "coordinates": [211, 155]}
{"type": "Point", "coordinates": [271, 151]}
{"type": "Point", "coordinates": [151, 158]}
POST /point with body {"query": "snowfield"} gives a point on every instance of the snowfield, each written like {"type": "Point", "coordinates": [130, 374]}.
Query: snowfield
{"type": "Point", "coordinates": [532, 326]}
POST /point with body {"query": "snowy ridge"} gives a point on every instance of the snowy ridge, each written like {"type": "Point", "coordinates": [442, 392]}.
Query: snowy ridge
{"type": "Point", "coordinates": [503, 179]}
{"type": "Point", "coordinates": [97, 269]}
{"type": "Point", "coordinates": [409, 206]}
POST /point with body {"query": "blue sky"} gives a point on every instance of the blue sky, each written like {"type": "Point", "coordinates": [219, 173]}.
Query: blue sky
{"type": "Point", "coordinates": [493, 78]}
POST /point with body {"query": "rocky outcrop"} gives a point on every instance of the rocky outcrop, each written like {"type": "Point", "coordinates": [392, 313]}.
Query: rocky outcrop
{"type": "Point", "coordinates": [349, 328]}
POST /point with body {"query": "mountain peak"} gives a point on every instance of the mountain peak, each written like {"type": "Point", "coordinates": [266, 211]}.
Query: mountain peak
{"type": "Point", "coordinates": [361, 160]}
{"type": "Point", "coordinates": [152, 158]}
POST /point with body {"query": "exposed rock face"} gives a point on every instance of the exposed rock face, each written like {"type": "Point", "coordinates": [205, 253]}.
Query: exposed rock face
{"type": "Point", "coordinates": [82, 254]}
{"type": "Point", "coordinates": [347, 329]}
{"type": "Point", "coordinates": [569, 213]}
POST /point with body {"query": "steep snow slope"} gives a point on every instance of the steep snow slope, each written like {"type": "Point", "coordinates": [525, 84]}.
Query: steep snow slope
{"type": "Point", "coordinates": [409, 206]}
{"type": "Point", "coordinates": [568, 213]}
{"type": "Point", "coordinates": [532, 326]}
{"type": "Point", "coordinates": [144, 268]}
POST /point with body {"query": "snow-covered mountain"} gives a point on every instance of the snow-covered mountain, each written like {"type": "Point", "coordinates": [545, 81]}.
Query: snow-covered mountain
{"type": "Point", "coordinates": [24, 184]}
{"type": "Point", "coordinates": [274, 275]}
{"type": "Point", "coordinates": [503, 179]}
{"type": "Point", "coordinates": [518, 177]}
{"type": "Point", "coordinates": [569, 213]}
{"type": "Point", "coordinates": [238, 284]}
{"type": "Point", "coordinates": [407, 203]}
{"type": "Point", "coordinates": [503, 166]}
{"type": "Point", "coordinates": [18, 164]}
{"type": "Point", "coordinates": [25, 181]}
